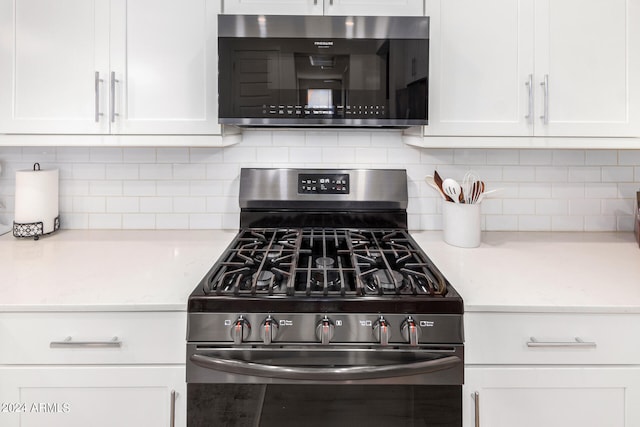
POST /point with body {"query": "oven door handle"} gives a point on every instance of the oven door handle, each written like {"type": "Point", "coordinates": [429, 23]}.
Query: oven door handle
{"type": "Point", "coordinates": [348, 373]}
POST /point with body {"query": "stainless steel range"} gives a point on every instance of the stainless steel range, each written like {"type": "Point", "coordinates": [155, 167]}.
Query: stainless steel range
{"type": "Point", "coordinates": [324, 305]}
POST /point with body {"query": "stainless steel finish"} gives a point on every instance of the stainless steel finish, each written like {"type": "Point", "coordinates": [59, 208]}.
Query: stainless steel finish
{"type": "Point", "coordinates": [578, 343]}
{"type": "Point", "coordinates": [349, 328]}
{"type": "Point", "coordinates": [351, 373]}
{"type": "Point", "coordinates": [381, 331]}
{"type": "Point", "coordinates": [370, 188]}
{"type": "Point", "coordinates": [335, 27]}
{"type": "Point", "coordinates": [319, 122]}
{"type": "Point", "coordinates": [325, 330]}
{"type": "Point", "coordinates": [172, 413]}
{"type": "Point", "coordinates": [476, 404]}
{"type": "Point", "coordinates": [70, 343]}
{"type": "Point", "coordinates": [269, 330]}
{"type": "Point", "coordinates": [113, 96]}
{"type": "Point", "coordinates": [545, 92]}
{"type": "Point", "coordinates": [241, 330]}
{"type": "Point", "coordinates": [97, 81]}
{"type": "Point", "coordinates": [330, 2]}
{"type": "Point", "coordinates": [321, 365]}
{"type": "Point", "coordinates": [529, 85]}
{"type": "Point", "coordinates": [410, 331]}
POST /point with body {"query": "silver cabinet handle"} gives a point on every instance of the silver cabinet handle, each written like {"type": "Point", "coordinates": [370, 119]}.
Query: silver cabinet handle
{"type": "Point", "coordinates": [529, 85]}
{"type": "Point", "coordinates": [172, 414]}
{"type": "Point", "coordinates": [113, 96]}
{"type": "Point", "coordinates": [69, 342]}
{"type": "Point", "coordinates": [578, 343]}
{"type": "Point", "coordinates": [476, 405]}
{"type": "Point", "coordinates": [97, 81]}
{"type": "Point", "coordinates": [545, 91]}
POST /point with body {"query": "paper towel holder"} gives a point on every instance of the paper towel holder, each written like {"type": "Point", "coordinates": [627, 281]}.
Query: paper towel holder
{"type": "Point", "coordinates": [34, 229]}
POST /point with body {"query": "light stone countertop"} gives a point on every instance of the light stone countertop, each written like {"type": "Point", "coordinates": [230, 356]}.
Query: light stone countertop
{"type": "Point", "coordinates": [120, 270]}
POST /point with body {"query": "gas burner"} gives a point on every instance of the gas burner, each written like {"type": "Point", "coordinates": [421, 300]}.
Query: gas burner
{"type": "Point", "coordinates": [263, 279]}
{"type": "Point", "coordinates": [386, 281]}
{"type": "Point", "coordinates": [332, 279]}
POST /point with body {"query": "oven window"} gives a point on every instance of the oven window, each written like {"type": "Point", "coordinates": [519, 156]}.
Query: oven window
{"type": "Point", "coordinates": [240, 405]}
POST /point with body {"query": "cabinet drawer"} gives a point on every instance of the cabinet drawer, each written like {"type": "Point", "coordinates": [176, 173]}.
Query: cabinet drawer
{"type": "Point", "coordinates": [551, 338]}
{"type": "Point", "coordinates": [92, 338]}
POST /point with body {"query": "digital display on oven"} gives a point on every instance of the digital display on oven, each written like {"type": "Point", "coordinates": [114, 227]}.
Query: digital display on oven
{"type": "Point", "coordinates": [323, 183]}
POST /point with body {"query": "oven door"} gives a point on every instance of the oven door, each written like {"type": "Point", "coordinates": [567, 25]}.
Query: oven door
{"type": "Point", "coordinates": [324, 386]}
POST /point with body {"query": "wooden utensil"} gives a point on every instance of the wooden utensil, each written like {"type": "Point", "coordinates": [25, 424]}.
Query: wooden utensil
{"type": "Point", "coordinates": [438, 179]}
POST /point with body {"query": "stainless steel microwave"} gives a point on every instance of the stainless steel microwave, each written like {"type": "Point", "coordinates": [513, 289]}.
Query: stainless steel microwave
{"type": "Point", "coordinates": [323, 71]}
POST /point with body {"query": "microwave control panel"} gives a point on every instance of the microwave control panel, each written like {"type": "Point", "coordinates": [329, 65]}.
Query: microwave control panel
{"type": "Point", "coordinates": [323, 183]}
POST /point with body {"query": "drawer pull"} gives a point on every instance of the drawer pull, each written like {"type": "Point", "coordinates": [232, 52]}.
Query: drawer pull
{"type": "Point", "coordinates": [69, 342]}
{"type": "Point", "coordinates": [578, 343]}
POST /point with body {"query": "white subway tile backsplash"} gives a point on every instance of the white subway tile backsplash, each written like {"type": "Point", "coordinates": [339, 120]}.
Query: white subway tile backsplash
{"type": "Point", "coordinates": [197, 188]}
{"type": "Point", "coordinates": [156, 204]}
{"type": "Point", "coordinates": [139, 188]}
{"type": "Point", "coordinates": [156, 171]}
{"type": "Point", "coordinates": [140, 221]}
{"type": "Point", "coordinates": [105, 221]}
{"type": "Point", "coordinates": [617, 174]}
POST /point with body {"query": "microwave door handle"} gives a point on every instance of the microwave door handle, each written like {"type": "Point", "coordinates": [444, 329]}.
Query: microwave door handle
{"type": "Point", "coordinates": [349, 373]}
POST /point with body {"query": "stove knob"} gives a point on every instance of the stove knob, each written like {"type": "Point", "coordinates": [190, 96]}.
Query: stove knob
{"type": "Point", "coordinates": [240, 330]}
{"type": "Point", "coordinates": [269, 329]}
{"type": "Point", "coordinates": [410, 331]}
{"type": "Point", "coordinates": [324, 330]}
{"type": "Point", "coordinates": [381, 330]}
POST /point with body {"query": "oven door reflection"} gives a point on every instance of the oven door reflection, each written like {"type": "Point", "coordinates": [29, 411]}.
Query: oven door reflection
{"type": "Point", "coordinates": [318, 405]}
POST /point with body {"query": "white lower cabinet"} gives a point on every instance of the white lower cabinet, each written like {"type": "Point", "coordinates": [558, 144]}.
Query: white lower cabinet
{"type": "Point", "coordinates": [535, 396]}
{"type": "Point", "coordinates": [95, 369]}
{"type": "Point", "coordinates": [104, 396]}
{"type": "Point", "coordinates": [551, 369]}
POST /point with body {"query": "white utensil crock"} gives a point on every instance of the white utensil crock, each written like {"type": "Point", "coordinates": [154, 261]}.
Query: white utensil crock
{"type": "Point", "coordinates": [461, 224]}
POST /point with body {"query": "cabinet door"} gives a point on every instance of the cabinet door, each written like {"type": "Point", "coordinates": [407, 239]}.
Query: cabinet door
{"type": "Point", "coordinates": [51, 54]}
{"type": "Point", "coordinates": [552, 397]}
{"type": "Point", "coordinates": [273, 7]}
{"type": "Point", "coordinates": [481, 65]}
{"type": "Point", "coordinates": [589, 54]}
{"type": "Point", "coordinates": [164, 61]}
{"type": "Point", "coordinates": [374, 7]}
{"type": "Point", "coordinates": [95, 396]}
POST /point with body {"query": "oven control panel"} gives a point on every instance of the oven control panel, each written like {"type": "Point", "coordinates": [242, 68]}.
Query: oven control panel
{"type": "Point", "coordinates": [323, 183]}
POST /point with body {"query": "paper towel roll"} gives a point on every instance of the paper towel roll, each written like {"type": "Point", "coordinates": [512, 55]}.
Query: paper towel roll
{"type": "Point", "coordinates": [37, 197]}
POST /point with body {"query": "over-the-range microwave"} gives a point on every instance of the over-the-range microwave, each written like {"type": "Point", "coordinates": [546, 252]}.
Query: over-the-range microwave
{"type": "Point", "coordinates": [341, 71]}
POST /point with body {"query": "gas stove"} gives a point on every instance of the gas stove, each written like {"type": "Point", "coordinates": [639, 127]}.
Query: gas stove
{"type": "Point", "coordinates": [323, 308]}
{"type": "Point", "coordinates": [319, 253]}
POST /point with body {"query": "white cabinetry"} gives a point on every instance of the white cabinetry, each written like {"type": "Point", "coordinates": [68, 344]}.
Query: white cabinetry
{"type": "Point", "coordinates": [97, 369]}
{"type": "Point", "coordinates": [105, 396]}
{"type": "Point", "coordinates": [534, 68]}
{"type": "Point", "coordinates": [326, 7]}
{"type": "Point", "coordinates": [556, 370]}
{"type": "Point", "coordinates": [108, 67]}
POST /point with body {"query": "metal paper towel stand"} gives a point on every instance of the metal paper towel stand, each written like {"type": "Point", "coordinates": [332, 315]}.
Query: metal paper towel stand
{"type": "Point", "coordinates": [34, 229]}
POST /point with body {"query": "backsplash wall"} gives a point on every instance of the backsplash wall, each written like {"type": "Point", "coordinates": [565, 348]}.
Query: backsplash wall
{"type": "Point", "coordinates": [197, 188]}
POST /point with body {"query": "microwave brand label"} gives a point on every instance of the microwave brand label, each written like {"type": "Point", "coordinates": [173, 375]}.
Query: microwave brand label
{"type": "Point", "coordinates": [323, 43]}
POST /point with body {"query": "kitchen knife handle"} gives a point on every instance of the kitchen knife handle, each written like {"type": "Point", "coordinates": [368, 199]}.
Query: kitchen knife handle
{"type": "Point", "coordinates": [172, 414]}
{"type": "Point", "coordinates": [545, 91]}
{"type": "Point", "coordinates": [529, 85]}
{"type": "Point", "coordinates": [97, 81]}
{"type": "Point", "coordinates": [69, 342]}
{"type": "Point", "coordinates": [113, 96]}
{"type": "Point", "coordinates": [579, 343]}
{"type": "Point", "coordinates": [476, 405]}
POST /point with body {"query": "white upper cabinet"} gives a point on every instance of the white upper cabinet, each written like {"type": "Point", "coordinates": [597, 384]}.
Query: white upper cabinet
{"type": "Point", "coordinates": [50, 53]}
{"type": "Point", "coordinates": [325, 7]}
{"type": "Point", "coordinates": [164, 59]}
{"type": "Point", "coordinates": [108, 67]}
{"type": "Point", "coordinates": [534, 68]}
